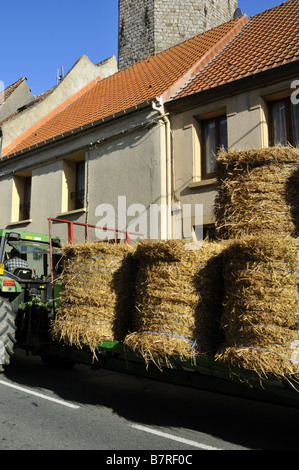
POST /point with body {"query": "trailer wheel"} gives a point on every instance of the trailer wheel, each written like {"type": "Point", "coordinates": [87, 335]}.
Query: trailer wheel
{"type": "Point", "coordinates": [7, 332]}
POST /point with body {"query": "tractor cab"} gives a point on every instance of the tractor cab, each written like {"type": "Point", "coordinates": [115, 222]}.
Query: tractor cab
{"type": "Point", "coordinates": [25, 264]}
{"type": "Point", "coordinates": [29, 265]}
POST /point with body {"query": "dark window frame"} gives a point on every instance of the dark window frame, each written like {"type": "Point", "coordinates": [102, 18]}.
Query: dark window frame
{"type": "Point", "coordinates": [216, 120]}
{"type": "Point", "coordinates": [288, 119]}
{"type": "Point", "coordinates": [79, 194]}
{"type": "Point", "coordinates": [25, 206]}
{"type": "Point", "coordinates": [209, 231]}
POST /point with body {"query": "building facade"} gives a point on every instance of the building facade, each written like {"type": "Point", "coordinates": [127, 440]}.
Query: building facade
{"type": "Point", "coordinates": [243, 99]}
{"type": "Point", "coordinates": [108, 146]}
{"type": "Point", "coordinates": [139, 139]}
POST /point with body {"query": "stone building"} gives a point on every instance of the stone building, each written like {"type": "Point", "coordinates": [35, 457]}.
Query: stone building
{"type": "Point", "coordinates": [147, 27]}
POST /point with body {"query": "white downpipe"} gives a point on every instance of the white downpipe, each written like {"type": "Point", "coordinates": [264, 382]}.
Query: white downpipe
{"type": "Point", "coordinates": [157, 106]}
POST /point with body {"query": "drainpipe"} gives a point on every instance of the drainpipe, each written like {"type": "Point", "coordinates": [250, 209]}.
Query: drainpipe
{"type": "Point", "coordinates": [158, 107]}
{"type": "Point", "coordinates": [87, 160]}
{"type": "Point", "coordinates": [1, 135]}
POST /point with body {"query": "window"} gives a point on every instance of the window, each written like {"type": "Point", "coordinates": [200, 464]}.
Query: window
{"type": "Point", "coordinates": [284, 122]}
{"type": "Point", "coordinates": [214, 136]}
{"type": "Point", "coordinates": [78, 196]}
{"type": "Point", "coordinates": [21, 197]}
{"type": "Point", "coordinates": [209, 232]}
{"type": "Point", "coordinates": [204, 232]}
{"type": "Point", "coordinates": [73, 189]}
{"type": "Point", "coordinates": [25, 204]}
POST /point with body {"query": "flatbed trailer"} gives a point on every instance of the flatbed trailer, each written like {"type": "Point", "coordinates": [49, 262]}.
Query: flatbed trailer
{"type": "Point", "coordinates": [206, 373]}
{"type": "Point", "coordinates": [33, 303]}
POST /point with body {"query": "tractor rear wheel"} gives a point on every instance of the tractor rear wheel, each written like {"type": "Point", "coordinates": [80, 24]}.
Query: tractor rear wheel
{"type": "Point", "coordinates": [7, 332]}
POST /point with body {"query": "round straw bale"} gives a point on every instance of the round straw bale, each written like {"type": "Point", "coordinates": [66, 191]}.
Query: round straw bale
{"type": "Point", "coordinates": [97, 297]}
{"type": "Point", "coordinates": [257, 192]}
{"type": "Point", "coordinates": [170, 300]}
{"type": "Point", "coordinates": [261, 305]}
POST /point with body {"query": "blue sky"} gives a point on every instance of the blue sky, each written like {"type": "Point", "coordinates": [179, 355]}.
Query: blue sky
{"type": "Point", "coordinates": [37, 37]}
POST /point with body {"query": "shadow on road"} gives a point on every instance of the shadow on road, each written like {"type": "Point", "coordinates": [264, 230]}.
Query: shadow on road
{"type": "Point", "coordinates": [250, 424]}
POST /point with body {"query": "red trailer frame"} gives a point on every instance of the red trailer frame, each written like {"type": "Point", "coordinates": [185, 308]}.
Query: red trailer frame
{"type": "Point", "coordinates": [70, 228]}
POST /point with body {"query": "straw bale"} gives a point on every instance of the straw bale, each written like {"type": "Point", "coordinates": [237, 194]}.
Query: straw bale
{"type": "Point", "coordinates": [261, 305]}
{"type": "Point", "coordinates": [209, 283]}
{"type": "Point", "coordinates": [97, 297]}
{"type": "Point", "coordinates": [257, 192]}
{"type": "Point", "coordinates": [171, 299]}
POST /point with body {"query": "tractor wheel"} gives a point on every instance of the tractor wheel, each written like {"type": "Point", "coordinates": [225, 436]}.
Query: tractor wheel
{"type": "Point", "coordinates": [7, 332]}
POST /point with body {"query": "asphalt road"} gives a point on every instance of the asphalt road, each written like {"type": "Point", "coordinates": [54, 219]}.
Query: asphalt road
{"type": "Point", "coordinates": [81, 409]}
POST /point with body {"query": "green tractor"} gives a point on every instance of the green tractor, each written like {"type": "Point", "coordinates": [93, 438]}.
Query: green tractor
{"type": "Point", "coordinates": [30, 285]}
{"type": "Point", "coordinates": [28, 264]}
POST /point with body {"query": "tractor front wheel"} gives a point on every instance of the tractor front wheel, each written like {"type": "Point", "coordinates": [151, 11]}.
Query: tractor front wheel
{"type": "Point", "coordinates": [7, 332]}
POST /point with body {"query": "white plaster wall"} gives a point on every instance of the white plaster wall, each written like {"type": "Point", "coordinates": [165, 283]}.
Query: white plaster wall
{"type": "Point", "coordinates": [127, 168]}
{"type": "Point", "coordinates": [247, 128]}
{"type": "Point", "coordinates": [6, 186]}
{"type": "Point", "coordinates": [82, 73]}
{"type": "Point", "coordinates": [128, 164]}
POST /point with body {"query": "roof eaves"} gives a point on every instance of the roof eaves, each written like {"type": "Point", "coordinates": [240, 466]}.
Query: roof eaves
{"type": "Point", "coordinates": [76, 131]}
{"type": "Point", "coordinates": [272, 75]}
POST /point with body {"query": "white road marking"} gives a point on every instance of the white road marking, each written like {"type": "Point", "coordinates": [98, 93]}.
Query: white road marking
{"type": "Point", "coordinates": [174, 438]}
{"type": "Point", "coordinates": [40, 395]}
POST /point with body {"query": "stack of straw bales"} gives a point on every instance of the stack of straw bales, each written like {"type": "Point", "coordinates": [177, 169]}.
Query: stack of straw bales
{"type": "Point", "coordinates": [236, 298]}
{"type": "Point", "coordinates": [178, 296]}
{"type": "Point", "coordinates": [261, 305]}
{"type": "Point", "coordinates": [97, 297]}
{"type": "Point", "coordinates": [257, 208]}
{"type": "Point", "coordinates": [257, 192]}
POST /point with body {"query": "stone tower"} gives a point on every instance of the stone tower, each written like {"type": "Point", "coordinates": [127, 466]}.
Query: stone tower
{"type": "Point", "coordinates": [147, 27]}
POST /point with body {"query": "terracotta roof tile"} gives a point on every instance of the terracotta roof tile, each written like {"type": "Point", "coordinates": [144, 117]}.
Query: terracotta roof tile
{"type": "Point", "coordinates": [132, 86]}
{"type": "Point", "coordinates": [268, 40]}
